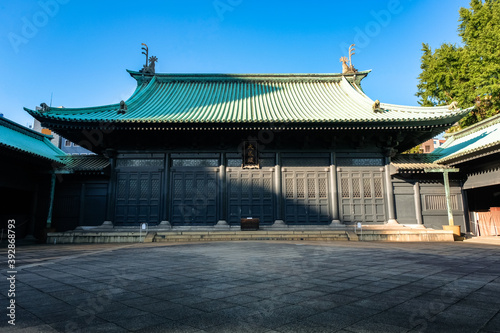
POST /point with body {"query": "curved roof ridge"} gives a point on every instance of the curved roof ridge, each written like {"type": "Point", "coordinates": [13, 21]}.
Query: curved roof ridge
{"type": "Point", "coordinates": [65, 110]}
{"type": "Point", "coordinates": [139, 93]}
{"type": "Point", "coordinates": [246, 76]}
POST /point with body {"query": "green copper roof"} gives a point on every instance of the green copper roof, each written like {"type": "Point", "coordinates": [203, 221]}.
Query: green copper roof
{"type": "Point", "coordinates": [19, 138]}
{"type": "Point", "coordinates": [249, 98]}
{"type": "Point", "coordinates": [481, 138]}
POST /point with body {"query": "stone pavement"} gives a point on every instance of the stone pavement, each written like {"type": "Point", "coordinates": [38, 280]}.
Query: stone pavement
{"type": "Point", "coordinates": [255, 287]}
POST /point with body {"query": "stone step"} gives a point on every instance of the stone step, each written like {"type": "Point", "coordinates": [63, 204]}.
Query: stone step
{"type": "Point", "coordinates": [187, 236]}
{"type": "Point", "coordinates": [379, 235]}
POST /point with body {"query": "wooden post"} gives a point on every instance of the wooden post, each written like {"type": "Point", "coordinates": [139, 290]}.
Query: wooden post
{"type": "Point", "coordinates": [451, 224]}
{"type": "Point", "coordinates": [278, 189]}
{"type": "Point", "coordinates": [51, 202]}
{"type": "Point", "coordinates": [418, 203]}
{"type": "Point", "coordinates": [448, 197]}
{"type": "Point", "coordinates": [334, 191]}
{"type": "Point", "coordinates": [391, 212]}
{"type": "Point", "coordinates": [222, 190]}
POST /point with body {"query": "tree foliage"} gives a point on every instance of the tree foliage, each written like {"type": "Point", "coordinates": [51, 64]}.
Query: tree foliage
{"type": "Point", "coordinates": [467, 74]}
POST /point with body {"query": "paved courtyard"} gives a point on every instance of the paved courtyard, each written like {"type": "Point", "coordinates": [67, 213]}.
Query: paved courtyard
{"type": "Point", "coordinates": [256, 287]}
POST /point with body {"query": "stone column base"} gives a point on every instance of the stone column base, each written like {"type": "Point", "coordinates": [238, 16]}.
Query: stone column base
{"type": "Point", "coordinates": [107, 225]}
{"type": "Point", "coordinates": [279, 224]}
{"type": "Point", "coordinates": [221, 224]}
{"type": "Point", "coordinates": [165, 225]}
{"type": "Point", "coordinates": [336, 223]}
{"type": "Point", "coordinates": [392, 221]}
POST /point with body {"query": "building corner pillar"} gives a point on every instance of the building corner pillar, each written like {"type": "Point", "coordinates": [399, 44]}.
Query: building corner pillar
{"type": "Point", "coordinates": [448, 198]}
{"type": "Point", "coordinates": [51, 200]}
{"type": "Point", "coordinates": [418, 203]}
{"type": "Point", "coordinates": [278, 194]}
{"type": "Point", "coordinates": [111, 197]}
{"type": "Point", "coordinates": [222, 221]}
{"type": "Point", "coordinates": [391, 210]}
{"type": "Point", "coordinates": [334, 198]}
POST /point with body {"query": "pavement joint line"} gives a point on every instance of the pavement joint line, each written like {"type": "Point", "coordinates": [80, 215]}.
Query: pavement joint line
{"type": "Point", "coordinates": [74, 256]}
{"type": "Point", "coordinates": [489, 320]}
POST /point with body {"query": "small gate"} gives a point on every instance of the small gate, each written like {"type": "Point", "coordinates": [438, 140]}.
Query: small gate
{"type": "Point", "coordinates": [306, 196]}
{"type": "Point", "coordinates": [250, 194]}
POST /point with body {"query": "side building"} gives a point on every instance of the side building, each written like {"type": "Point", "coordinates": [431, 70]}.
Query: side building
{"type": "Point", "coordinates": [476, 152]}
{"type": "Point", "coordinates": [28, 161]}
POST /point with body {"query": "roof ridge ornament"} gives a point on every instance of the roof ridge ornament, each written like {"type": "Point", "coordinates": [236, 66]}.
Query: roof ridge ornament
{"type": "Point", "coordinates": [345, 68]}
{"type": "Point", "coordinates": [43, 107]}
{"type": "Point", "coordinates": [453, 106]}
{"type": "Point", "coordinates": [148, 68]}
{"type": "Point", "coordinates": [376, 107]}
{"type": "Point", "coordinates": [123, 107]}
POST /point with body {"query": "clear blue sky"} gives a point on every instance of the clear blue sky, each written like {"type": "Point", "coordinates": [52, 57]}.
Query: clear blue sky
{"type": "Point", "coordinates": [79, 50]}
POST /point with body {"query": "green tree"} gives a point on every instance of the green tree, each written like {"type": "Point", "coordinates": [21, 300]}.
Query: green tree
{"type": "Point", "coordinates": [467, 74]}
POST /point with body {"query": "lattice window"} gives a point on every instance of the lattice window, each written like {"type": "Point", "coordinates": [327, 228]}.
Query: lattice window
{"type": "Point", "coordinates": [155, 188]}
{"type": "Point", "coordinates": [356, 191]}
{"type": "Point", "coordinates": [144, 188]}
{"type": "Point", "coordinates": [122, 189]}
{"type": "Point", "coordinates": [255, 188]}
{"type": "Point", "coordinates": [234, 162]}
{"type": "Point", "coordinates": [267, 187]}
{"type": "Point", "coordinates": [267, 162]}
{"type": "Point", "coordinates": [438, 202]}
{"type": "Point", "coordinates": [344, 185]}
{"type": "Point", "coordinates": [211, 187]}
{"type": "Point", "coordinates": [322, 188]}
{"type": "Point", "coordinates": [189, 188]}
{"type": "Point", "coordinates": [178, 188]}
{"type": "Point", "coordinates": [133, 188]}
{"type": "Point", "coordinates": [306, 162]}
{"type": "Point", "coordinates": [377, 184]}
{"type": "Point", "coordinates": [200, 186]}
{"type": "Point", "coordinates": [195, 162]}
{"type": "Point", "coordinates": [349, 161]}
{"type": "Point", "coordinates": [139, 162]}
{"type": "Point", "coordinates": [233, 184]}
{"type": "Point", "coordinates": [245, 187]}
{"type": "Point", "coordinates": [367, 188]}
{"type": "Point", "coordinates": [289, 188]}
{"type": "Point", "coordinates": [311, 188]}
{"type": "Point", "coordinates": [300, 188]}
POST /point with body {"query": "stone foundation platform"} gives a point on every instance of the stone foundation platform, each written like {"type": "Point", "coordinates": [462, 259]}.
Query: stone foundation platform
{"type": "Point", "coordinates": [381, 233]}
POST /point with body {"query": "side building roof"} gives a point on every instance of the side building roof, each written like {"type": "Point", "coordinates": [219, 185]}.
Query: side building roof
{"type": "Point", "coordinates": [18, 138]}
{"type": "Point", "coordinates": [479, 139]}
{"type": "Point", "coordinates": [170, 100]}
{"type": "Point", "coordinates": [416, 163]}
